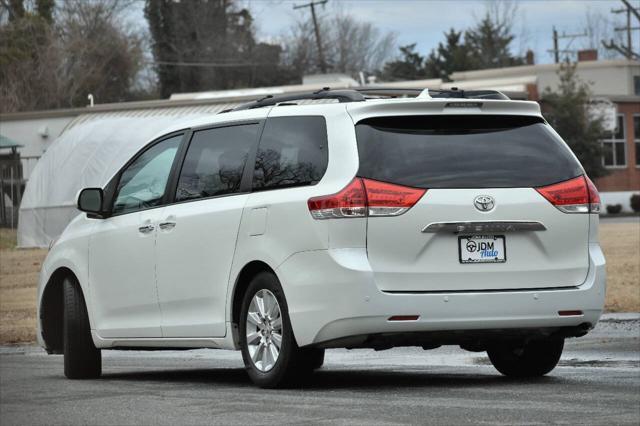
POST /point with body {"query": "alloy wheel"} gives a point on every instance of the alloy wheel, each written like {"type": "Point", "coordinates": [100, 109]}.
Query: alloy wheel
{"type": "Point", "coordinates": [264, 330]}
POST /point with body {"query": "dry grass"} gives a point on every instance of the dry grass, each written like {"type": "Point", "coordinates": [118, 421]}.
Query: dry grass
{"type": "Point", "coordinates": [19, 276]}
{"type": "Point", "coordinates": [621, 245]}
{"type": "Point", "coordinates": [18, 280]}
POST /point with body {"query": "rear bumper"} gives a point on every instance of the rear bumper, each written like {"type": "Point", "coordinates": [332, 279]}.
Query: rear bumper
{"type": "Point", "coordinates": [331, 295]}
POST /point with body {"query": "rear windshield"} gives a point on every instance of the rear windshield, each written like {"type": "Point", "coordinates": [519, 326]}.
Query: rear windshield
{"type": "Point", "coordinates": [463, 152]}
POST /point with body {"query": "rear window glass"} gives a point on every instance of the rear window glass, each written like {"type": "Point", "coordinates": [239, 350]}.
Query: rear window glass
{"type": "Point", "coordinates": [292, 152]}
{"type": "Point", "coordinates": [463, 152]}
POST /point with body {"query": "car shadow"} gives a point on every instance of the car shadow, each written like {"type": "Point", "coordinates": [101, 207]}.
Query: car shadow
{"type": "Point", "coordinates": [334, 379]}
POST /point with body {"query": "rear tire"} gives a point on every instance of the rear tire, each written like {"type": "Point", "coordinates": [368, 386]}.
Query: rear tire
{"type": "Point", "coordinates": [81, 358]}
{"type": "Point", "coordinates": [291, 366]}
{"type": "Point", "coordinates": [314, 357]}
{"type": "Point", "coordinates": [533, 359]}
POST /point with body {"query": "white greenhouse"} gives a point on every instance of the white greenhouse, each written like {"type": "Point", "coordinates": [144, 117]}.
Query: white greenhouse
{"type": "Point", "coordinates": [88, 153]}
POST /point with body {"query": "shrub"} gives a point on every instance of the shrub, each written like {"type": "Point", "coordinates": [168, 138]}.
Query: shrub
{"type": "Point", "coordinates": [614, 208]}
{"type": "Point", "coordinates": [635, 203]}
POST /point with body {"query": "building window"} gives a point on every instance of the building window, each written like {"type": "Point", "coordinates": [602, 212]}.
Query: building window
{"type": "Point", "coordinates": [636, 137]}
{"type": "Point", "coordinates": [615, 147]}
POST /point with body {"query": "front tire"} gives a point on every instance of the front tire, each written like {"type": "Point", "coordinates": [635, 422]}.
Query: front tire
{"type": "Point", "coordinates": [533, 359]}
{"type": "Point", "coordinates": [81, 358]}
{"type": "Point", "coordinates": [271, 355]}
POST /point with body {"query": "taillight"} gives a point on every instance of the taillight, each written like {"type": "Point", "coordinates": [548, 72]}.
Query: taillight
{"type": "Point", "coordinates": [365, 197]}
{"type": "Point", "coordinates": [594, 196]}
{"type": "Point", "coordinates": [387, 199]}
{"type": "Point", "coordinates": [350, 202]}
{"type": "Point", "coordinates": [577, 195]}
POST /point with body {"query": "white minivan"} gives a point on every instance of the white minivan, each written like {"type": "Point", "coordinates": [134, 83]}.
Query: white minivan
{"type": "Point", "coordinates": [334, 219]}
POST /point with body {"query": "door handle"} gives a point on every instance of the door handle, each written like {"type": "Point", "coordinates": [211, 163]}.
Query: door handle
{"type": "Point", "coordinates": [146, 229]}
{"type": "Point", "coordinates": [165, 226]}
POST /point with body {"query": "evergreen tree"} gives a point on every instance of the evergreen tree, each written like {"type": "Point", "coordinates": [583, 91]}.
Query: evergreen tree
{"type": "Point", "coordinates": [568, 111]}
{"type": "Point", "coordinates": [489, 44]}
{"type": "Point", "coordinates": [409, 67]}
{"type": "Point", "coordinates": [452, 56]}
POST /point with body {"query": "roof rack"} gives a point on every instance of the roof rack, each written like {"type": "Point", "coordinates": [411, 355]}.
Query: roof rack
{"type": "Point", "coordinates": [454, 92]}
{"type": "Point", "coordinates": [361, 94]}
{"type": "Point", "coordinates": [324, 93]}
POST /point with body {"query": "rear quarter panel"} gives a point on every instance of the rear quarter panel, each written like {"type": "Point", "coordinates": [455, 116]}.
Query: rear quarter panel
{"type": "Point", "coordinates": [276, 224]}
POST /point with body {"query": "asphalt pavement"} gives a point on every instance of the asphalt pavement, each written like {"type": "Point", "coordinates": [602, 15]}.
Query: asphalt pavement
{"type": "Point", "coordinates": [597, 382]}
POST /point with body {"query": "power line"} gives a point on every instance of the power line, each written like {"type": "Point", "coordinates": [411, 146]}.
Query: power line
{"type": "Point", "coordinates": [210, 64]}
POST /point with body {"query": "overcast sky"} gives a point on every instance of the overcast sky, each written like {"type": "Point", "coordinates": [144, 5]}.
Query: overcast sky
{"type": "Point", "coordinates": [424, 21]}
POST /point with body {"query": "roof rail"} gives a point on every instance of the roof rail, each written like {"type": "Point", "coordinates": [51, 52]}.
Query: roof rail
{"type": "Point", "coordinates": [454, 92]}
{"type": "Point", "coordinates": [361, 94]}
{"type": "Point", "coordinates": [324, 93]}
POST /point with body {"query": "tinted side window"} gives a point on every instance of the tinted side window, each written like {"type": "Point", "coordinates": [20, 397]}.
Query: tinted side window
{"type": "Point", "coordinates": [215, 161]}
{"type": "Point", "coordinates": [292, 152]}
{"type": "Point", "coordinates": [448, 151]}
{"type": "Point", "coordinates": [143, 183]}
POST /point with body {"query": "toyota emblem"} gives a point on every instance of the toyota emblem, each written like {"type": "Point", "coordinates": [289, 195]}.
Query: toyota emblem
{"type": "Point", "coordinates": [484, 203]}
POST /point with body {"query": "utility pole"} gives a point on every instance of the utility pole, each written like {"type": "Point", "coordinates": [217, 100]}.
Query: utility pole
{"type": "Point", "coordinates": [628, 49]}
{"type": "Point", "coordinates": [556, 53]}
{"type": "Point", "coordinates": [312, 5]}
{"type": "Point", "coordinates": [556, 50]}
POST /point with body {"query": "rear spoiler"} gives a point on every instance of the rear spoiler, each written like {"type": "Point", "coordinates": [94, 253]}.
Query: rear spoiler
{"type": "Point", "coordinates": [413, 106]}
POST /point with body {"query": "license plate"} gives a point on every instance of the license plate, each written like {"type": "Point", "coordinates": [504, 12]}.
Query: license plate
{"type": "Point", "coordinates": [482, 249]}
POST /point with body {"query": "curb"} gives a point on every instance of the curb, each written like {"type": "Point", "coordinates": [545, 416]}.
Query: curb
{"type": "Point", "coordinates": [620, 316]}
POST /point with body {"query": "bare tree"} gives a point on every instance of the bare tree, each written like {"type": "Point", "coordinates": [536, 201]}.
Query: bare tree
{"type": "Point", "coordinates": [29, 57]}
{"type": "Point", "coordinates": [99, 54]}
{"type": "Point", "coordinates": [358, 46]}
{"type": "Point", "coordinates": [600, 27]}
{"type": "Point", "coordinates": [55, 59]}
{"type": "Point", "coordinates": [350, 46]}
{"type": "Point", "coordinates": [503, 13]}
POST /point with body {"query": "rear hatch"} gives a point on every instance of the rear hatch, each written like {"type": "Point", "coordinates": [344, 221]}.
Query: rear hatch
{"type": "Point", "coordinates": [485, 217]}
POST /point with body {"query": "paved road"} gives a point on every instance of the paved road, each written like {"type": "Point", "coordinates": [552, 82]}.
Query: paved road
{"type": "Point", "coordinates": [598, 382]}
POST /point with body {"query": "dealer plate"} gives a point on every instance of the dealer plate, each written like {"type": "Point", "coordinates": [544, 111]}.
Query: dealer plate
{"type": "Point", "coordinates": [482, 249]}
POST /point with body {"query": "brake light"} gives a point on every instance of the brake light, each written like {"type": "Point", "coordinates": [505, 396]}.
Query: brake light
{"type": "Point", "coordinates": [577, 195]}
{"type": "Point", "coordinates": [365, 197]}
{"type": "Point", "coordinates": [387, 199]}
{"type": "Point", "coordinates": [594, 196]}
{"type": "Point", "coordinates": [350, 202]}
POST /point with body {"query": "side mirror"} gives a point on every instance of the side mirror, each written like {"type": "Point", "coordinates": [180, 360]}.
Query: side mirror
{"type": "Point", "coordinates": [90, 201]}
